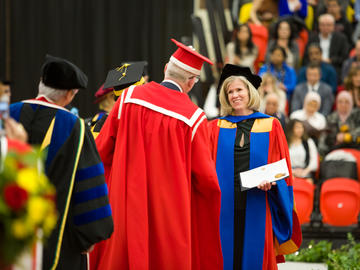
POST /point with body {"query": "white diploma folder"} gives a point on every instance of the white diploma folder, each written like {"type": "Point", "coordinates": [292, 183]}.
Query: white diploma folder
{"type": "Point", "coordinates": [270, 172]}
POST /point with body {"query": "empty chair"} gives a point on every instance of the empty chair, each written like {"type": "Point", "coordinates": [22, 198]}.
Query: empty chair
{"type": "Point", "coordinates": [304, 199]}
{"type": "Point", "coordinates": [340, 201]}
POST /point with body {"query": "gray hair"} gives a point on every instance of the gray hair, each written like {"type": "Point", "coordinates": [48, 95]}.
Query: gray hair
{"type": "Point", "coordinates": [312, 96]}
{"type": "Point", "coordinates": [326, 16]}
{"type": "Point", "coordinates": [254, 97]}
{"type": "Point", "coordinates": [51, 93]}
{"type": "Point", "coordinates": [175, 72]}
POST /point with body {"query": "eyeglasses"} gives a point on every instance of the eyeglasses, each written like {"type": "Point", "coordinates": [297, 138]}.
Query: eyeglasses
{"type": "Point", "coordinates": [197, 78]}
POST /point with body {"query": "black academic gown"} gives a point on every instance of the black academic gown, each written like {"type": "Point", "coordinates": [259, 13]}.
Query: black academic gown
{"type": "Point", "coordinates": [73, 165]}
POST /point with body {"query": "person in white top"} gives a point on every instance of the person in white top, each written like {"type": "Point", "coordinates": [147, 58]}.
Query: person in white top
{"type": "Point", "coordinates": [314, 121]}
{"type": "Point", "coordinates": [241, 50]}
{"type": "Point", "coordinates": [334, 45]}
{"type": "Point", "coordinates": [313, 83]}
{"type": "Point", "coordinates": [302, 150]}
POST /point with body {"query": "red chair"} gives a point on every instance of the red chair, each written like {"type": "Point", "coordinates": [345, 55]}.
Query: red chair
{"type": "Point", "coordinates": [304, 199]}
{"type": "Point", "coordinates": [340, 201]}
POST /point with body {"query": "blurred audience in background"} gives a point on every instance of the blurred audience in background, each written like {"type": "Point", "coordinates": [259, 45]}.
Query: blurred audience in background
{"type": "Point", "coordinates": [314, 122]}
{"type": "Point", "coordinates": [241, 50]}
{"type": "Point", "coordinates": [352, 84]}
{"type": "Point", "coordinates": [313, 83]}
{"type": "Point", "coordinates": [269, 85]}
{"type": "Point", "coordinates": [302, 150]}
{"type": "Point", "coordinates": [284, 36]}
{"type": "Point", "coordinates": [277, 66]}
{"type": "Point", "coordinates": [343, 125]}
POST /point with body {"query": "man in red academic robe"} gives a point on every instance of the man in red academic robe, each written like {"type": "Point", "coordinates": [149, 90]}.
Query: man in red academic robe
{"type": "Point", "coordinates": [162, 182]}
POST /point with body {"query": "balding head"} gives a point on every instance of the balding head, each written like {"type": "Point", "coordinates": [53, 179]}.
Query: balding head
{"type": "Point", "coordinates": [326, 24]}
{"type": "Point", "coordinates": [271, 103]}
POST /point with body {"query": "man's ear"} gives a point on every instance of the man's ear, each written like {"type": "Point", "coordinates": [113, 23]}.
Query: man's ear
{"type": "Point", "coordinates": [190, 83]}
{"type": "Point", "coordinates": [70, 95]}
{"type": "Point", "coordinates": [165, 68]}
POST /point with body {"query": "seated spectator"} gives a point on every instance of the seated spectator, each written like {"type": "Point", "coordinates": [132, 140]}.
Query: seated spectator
{"type": "Point", "coordinates": [343, 125]}
{"type": "Point", "coordinates": [320, 8]}
{"type": "Point", "coordinates": [271, 107]}
{"type": "Point", "coordinates": [242, 51]}
{"type": "Point", "coordinates": [352, 84]}
{"type": "Point", "coordinates": [283, 36]}
{"type": "Point", "coordinates": [302, 150]}
{"type": "Point", "coordinates": [313, 83]}
{"type": "Point", "coordinates": [269, 85]}
{"type": "Point", "coordinates": [342, 24]}
{"type": "Point", "coordinates": [351, 62]}
{"type": "Point", "coordinates": [328, 72]}
{"type": "Point", "coordinates": [283, 73]}
{"type": "Point", "coordinates": [334, 45]}
{"type": "Point", "coordinates": [314, 122]}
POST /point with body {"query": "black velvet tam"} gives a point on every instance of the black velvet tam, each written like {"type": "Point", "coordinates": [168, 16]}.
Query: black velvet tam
{"type": "Point", "coordinates": [61, 74]}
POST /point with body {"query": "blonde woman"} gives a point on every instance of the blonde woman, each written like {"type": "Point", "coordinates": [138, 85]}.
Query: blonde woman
{"type": "Point", "coordinates": [244, 139]}
{"type": "Point", "coordinates": [269, 85]}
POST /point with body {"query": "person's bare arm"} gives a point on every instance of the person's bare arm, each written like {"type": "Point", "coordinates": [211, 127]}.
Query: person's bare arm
{"type": "Point", "coordinates": [253, 12]}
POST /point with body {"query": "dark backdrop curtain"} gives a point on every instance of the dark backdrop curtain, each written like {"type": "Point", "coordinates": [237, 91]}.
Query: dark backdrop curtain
{"type": "Point", "coordinates": [96, 35]}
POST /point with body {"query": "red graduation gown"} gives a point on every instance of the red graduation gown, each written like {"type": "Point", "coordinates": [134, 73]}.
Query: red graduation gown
{"type": "Point", "coordinates": [162, 182]}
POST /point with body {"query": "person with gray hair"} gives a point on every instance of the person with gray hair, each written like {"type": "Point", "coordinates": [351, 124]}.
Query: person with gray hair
{"type": "Point", "coordinates": [314, 121]}
{"type": "Point", "coordinates": [342, 23]}
{"type": "Point", "coordinates": [72, 164]}
{"type": "Point", "coordinates": [56, 96]}
{"type": "Point", "coordinates": [163, 183]}
{"type": "Point", "coordinates": [334, 45]}
{"type": "Point", "coordinates": [313, 83]}
{"type": "Point", "coordinates": [179, 76]}
{"type": "Point", "coordinates": [343, 125]}
{"type": "Point", "coordinates": [271, 107]}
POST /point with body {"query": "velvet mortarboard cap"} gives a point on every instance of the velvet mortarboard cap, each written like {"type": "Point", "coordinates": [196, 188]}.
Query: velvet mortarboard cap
{"type": "Point", "coordinates": [101, 92]}
{"type": "Point", "coordinates": [188, 59]}
{"type": "Point", "coordinates": [233, 70]}
{"type": "Point", "coordinates": [124, 76]}
{"type": "Point", "coordinates": [61, 74]}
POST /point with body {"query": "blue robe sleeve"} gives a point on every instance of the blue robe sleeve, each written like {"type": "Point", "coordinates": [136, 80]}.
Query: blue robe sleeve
{"type": "Point", "coordinates": [281, 206]}
{"type": "Point", "coordinates": [290, 81]}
